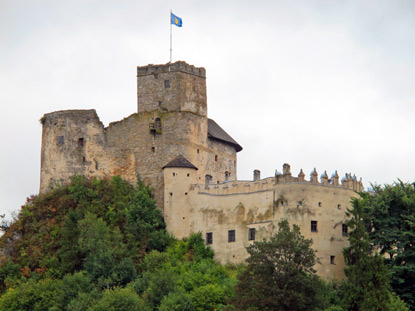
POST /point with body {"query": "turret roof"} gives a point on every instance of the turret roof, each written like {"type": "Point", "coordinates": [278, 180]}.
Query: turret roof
{"type": "Point", "coordinates": [216, 132]}
{"type": "Point", "coordinates": [180, 161]}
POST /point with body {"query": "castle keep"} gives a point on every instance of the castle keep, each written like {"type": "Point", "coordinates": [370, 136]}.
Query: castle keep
{"type": "Point", "coordinates": [191, 163]}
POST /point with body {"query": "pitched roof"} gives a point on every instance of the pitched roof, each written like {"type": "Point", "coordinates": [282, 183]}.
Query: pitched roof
{"type": "Point", "coordinates": [216, 132]}
{"type": "Point", "coordinates": [180, 161]}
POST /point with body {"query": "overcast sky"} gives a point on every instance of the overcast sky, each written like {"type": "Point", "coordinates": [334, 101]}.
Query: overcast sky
{"type": "Point", "coordinates": [325, 84]}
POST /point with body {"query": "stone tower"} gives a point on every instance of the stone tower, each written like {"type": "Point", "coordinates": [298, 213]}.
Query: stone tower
{"type": "Point", "coordinates": [171, 120]}
{"type": "Point", "coordinates": [172, 87]}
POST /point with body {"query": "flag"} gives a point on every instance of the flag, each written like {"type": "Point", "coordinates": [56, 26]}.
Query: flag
{"type": "Point", "coordinates": [175, 20]}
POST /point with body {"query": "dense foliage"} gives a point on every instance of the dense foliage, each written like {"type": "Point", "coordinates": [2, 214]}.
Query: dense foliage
{"type": "Point", "coordinates": [389, 214]}
{"type": "Point", "coordinates": [102, 245]}
{"type": "Point", "coordinates": [367, 284]}
{"type": "Point", "coordinates": [280, 274]}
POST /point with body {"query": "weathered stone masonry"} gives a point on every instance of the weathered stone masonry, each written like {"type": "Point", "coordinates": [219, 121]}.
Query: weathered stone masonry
{"type": "Point", "coordinates": [191, 163]}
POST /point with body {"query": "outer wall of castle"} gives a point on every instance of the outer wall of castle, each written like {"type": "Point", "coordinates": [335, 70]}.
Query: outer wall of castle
{"type": "Point", "coordinates": [172, 121]}
{"type": "Point", "coordinates": [257, 206]}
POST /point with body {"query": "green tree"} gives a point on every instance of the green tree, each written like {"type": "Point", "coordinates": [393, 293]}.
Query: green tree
{"type": "Point", "coordinates": [390, 220]}
{"type": "Point", "coordinates": [119, 299]}
{"type": "Point", "coordinates": [367, 285]}
{"type": "Point", "coordinates": [280, 274]}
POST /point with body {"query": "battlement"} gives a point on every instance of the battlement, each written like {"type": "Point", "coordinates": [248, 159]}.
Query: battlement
{"type": "Point", "coordinates": [81, 115]}
{"type": "Point", "coordinates": [266, 184]}
{"type": "Point", "coordinates": [179, 66]}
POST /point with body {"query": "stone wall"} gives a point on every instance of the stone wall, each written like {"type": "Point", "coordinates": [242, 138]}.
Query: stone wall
{"type": "Point", "coordinates": [170, 121]}
{"type": "Point", "coordinates": [259, 205]}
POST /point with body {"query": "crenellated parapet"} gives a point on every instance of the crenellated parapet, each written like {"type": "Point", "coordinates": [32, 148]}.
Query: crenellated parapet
{"type": "Point", "coordinates": [179, 66]}
{"type": "Point", "coordinates": [349, 181]}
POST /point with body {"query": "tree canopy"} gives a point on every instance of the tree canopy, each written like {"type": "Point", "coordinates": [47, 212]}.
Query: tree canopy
{"type": "Point", "coordinates": [280, 274]}
{"type": "Point", "coordinates": [389, 215]}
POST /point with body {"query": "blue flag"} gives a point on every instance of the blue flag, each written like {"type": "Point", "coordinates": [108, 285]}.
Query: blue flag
{"type": "Point", "coordinates": [175, 20]}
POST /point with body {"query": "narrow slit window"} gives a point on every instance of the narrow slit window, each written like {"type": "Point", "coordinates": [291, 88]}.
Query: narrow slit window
{"type": "Point", "coordinates": [153, 149]}
{"type": "Point", "coordinates": [344, 230]}
{"type": "Point", "coordinates": [209, 238]}
{"type": "Point", "coordinates": [61, 140]}
{"type": "Point", "coordinates": [332, 260]}
{"type": "Point", "coordinates": [80, 142]}
{"type": "Point", "coordinates": [216, 158]}
{"type": "Point", "coordinates": [231, 236]}
{"type": "Point", "coordinates": [314, 226]}
{"type": "Point", "coordinates": [251, 234]}
{"type": "Point", "coordinates": [167, 84]}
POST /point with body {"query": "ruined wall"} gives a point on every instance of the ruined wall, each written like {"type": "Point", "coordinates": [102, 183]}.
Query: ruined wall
{"type": "Point", "coordinates": [72, 143]}
{"type": "Point", "coordinates": [171, 120]}
{"type": "Point", "coordinates": [260, 205]}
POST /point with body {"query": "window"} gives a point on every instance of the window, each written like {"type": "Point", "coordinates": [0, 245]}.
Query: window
{"type": "Point", "coordinates": [314, 226]}
{"type": "Point", "coordinates": [167, 84]}
{"type": "Point", "coordinates": [96, 164]}
{"type": "Point", "coordinates": [198, 151]}
{"type": "Point", "coordinates": [80, 142]}
{"type": "Point", "coordinates": [319, 204]}
{"type": "Point", "coordinates": [209, 238]}
{"type": "Point", "coordinates": [157, 125]}
{"type": "Point", "coordinates": [344, 230]}
{"type": "Point", "coordinates": [251, 234]}
{"type": "Point", "coordinates": [231, 236]}
{"type": "Point", "coordinates": [83, 160]}
{"type": "Point", "coordinates": [332, 260]}
{"type": "Point", "coordinates": [227, 175]}
{"type": "Point", "coordinates": [61, 140]}
{"type": "Point", "coordinates": [208, 179]}
{"type": "Point", "coordinates": [216, 158]}
{"type": "Point", "coordinates": [160, 103]}
{"type": "Point", "coordinates": [153, 149]}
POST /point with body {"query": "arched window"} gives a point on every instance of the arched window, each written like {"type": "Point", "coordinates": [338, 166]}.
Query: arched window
{"type": "Point", "coordinates": [227, 176]}
{"type": "Point", "coordinates": [208, 179]}
{"type": "Point", "coordinates": [157, 125]}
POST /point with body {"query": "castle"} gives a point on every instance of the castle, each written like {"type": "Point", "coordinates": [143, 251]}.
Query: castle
{"type": "Point", "coordinates": [191, 163]}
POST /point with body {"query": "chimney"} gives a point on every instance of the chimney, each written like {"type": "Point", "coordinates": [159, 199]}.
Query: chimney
{"type": "Point", "coordinates": [257, 175]}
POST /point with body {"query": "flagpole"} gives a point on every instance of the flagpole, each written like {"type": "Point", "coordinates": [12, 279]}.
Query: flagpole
{"type": "Point", "coordinates": [170, 38]}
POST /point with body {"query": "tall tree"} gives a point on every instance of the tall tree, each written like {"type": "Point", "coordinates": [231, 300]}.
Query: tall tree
{"type": "Point", "coordinates": [366, 287]}
{"type": "Point", "coordinates": [280, 274]}
{"type": "Point", "coordinates": [390, 221]}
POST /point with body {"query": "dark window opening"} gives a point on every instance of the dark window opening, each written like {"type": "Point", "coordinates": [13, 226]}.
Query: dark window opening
{"type": "Point", "coordinates": [319, 204]}
{"type": "Point", "coordinates": [227, 175]}
{"type": "Point", "coordinates": [167, 84]}
{"type": "Point", "coordinates": [157, 125]}
{"type": "Point", "coordinates": [188, 174]}
{"type": "Point", "coordinates": [251, 234]}
{"type": "Point", "coordinates": [332, 260]}
{"type": "Point", "coordinates": [339, 206]}
{"type": "Point", "coordinates": [208, 179]}
{"type": "Point", "coordinates": [231, 236]}
{"type": "Point", "coordinates": [153, 149]}
{"type": "Point", "coordinates": [174, 174]}
{"type": "Point", "coordinates": [197, 150]}
{"type": "Point", "coordinates": [171, 193]}
{"type": "Point", "coordinates": [216, 157]}
{"type": "Point", "coordinates": [209, 238]}
{"type": "Point", "coordinates": [300, 203]}
{"type": "Point", "coordinates": [80, 142]}
{"type": "Point", "coordinates": [61, 140]}
{"type": "Point", "coordinates": [96, 164]}
{"type": "Point", "coordinates": [217, 182]}
{"type": "Point", "coordinates": [185, 193]}
{"type": "Point", "coordinates": [83, 160]}
{"type": "Point", "coordinates": [314, 226]}
{"type": "Point", "coordinates": [160, 103]}
{"type": "Point", "coordinates": [344, 230]}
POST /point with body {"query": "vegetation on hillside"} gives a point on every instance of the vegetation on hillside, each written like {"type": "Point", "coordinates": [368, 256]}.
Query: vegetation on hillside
{"type": "Point", "coordinates": [102, 245]}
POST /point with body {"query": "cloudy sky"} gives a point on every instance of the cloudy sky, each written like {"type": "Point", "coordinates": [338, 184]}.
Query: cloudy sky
{"type": "Point", "coordinates": [325, 84]}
